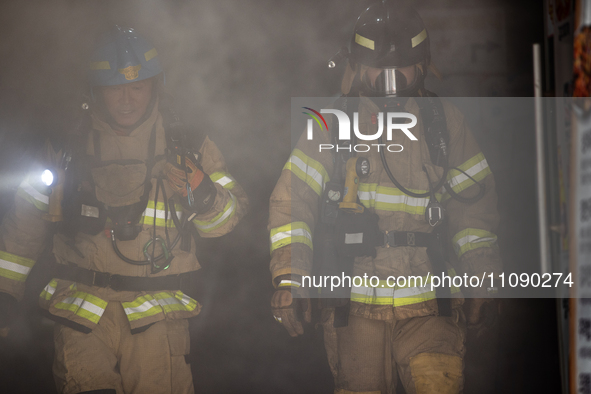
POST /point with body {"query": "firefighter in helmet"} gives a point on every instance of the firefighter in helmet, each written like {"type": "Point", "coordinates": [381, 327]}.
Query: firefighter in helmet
{"type": "Point", "coordinates": [130, 190]}
{"type": "Point", "coordinates": [437, 193]}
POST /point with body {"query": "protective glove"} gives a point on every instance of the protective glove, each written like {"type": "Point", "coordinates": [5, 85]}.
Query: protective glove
{"type": "Point", "coordinates": [481, 314]}
{"type": "Point", "coordinates": [8, 308]}
{"type": "Point", "coordinates": [290, 311]}
{"type": "Point", "coordinates": [480, 307]}
{"type": "Point", "coordinates": [203, 190]}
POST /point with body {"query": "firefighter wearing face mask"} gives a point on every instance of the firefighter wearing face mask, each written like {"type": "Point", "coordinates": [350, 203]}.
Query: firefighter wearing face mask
{"type": "Point", "coordinates": [404, 330]}
{"type": "Point", "coordinates": [136, 185]}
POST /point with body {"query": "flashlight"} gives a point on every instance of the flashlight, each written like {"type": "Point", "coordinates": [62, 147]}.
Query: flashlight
{"type": "Point", "coordinates": [54, 180]}
{"type": "Point", "coordinates": [356, 168]}
{"type": "Point", "coordinates": [47, 177]}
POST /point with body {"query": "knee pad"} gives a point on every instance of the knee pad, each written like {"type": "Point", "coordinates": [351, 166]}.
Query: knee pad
{"type": "Point", "coordinates": [436, 373]}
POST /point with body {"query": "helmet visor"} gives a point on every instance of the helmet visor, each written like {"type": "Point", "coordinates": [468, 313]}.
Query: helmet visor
{"type": "Point", "coordinates": [391, 81]}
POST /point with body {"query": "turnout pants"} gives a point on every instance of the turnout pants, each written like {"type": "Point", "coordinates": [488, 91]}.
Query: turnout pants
{"type": "Point", "coordinates": [426, 352]}
{"type": "Point", "coordinates": [111, 358]}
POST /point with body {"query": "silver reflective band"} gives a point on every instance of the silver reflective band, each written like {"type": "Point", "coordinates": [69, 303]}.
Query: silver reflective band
{"type": "Point", "coordinates": [277, 318]}
{"type": "Point", "coordinates": [89, 211]}
{"type": "Point", "coordinates": [356, 238]}
{"type": "Point", "coordinates": [289, 283]}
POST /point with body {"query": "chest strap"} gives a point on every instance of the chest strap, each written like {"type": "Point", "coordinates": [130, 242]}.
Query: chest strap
{"type": "Point", "coordinates": [393, 239]}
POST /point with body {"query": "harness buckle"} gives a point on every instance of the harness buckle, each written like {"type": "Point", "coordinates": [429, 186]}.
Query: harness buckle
{"type": "Point", "coordinates": [116, 282]}
{"type": "Point", "coordinates": [100, 279]}
{"type": "Point", "coordinates": [410, 239]}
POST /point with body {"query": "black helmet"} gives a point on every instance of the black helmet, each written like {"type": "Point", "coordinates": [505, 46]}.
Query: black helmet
{"type": "Point", "coordinates": [391, 36]}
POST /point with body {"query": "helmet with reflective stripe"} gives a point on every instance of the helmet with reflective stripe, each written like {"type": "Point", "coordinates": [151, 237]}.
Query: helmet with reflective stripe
{"type": "Point", "coordinates": [391, 36]}
{"type": "Point", "coordinates": [123, 57]}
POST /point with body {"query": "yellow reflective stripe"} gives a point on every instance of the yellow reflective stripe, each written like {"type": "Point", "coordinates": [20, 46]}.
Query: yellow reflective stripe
{"type": "Point", "coordinates": [189, 303]}
{"type": "Point", "coordinates": [308, 170]}
{"type": "Point", "coordinates": [365, 42]}
{"type": "Point", "coordinates": [473, 238]}
{"type": "Point", "coordinates": [84, 305]}
{"type": "Point", "coordinates": [176, 302]}
{"type": "Point", "coordinates": [34, 196]}
{"type": "Point", "coordinates": [416, 40]}
{"type": "Point", "coordinates": [408, 294]}
{"type": "Point", "coordinates": [15, 267]}
{"type": "Point", "coordinates": [220, 219]}
{"type": "Point", "coordinates": [224, 179]}
{"type": "Point", "coordinates": [289, 283]}
{"type": "Point", "coordinates": [100, 65]}
{"type": "Point", "coordinates": [143, 306]}
{"type": "Point", "coordinates": [163, 302]}
{"type": "Point", "coordinates": [148, 215]}
{"type": "Point", "coordinates": [150, 54]}
{"type": "Point", "coordinates": [290, 233]}
{"type": "Point", "coordinates": [381, 295]}
{"type": "Point", "coordinates": [48, 291]}
{"type": "Point", "coordinates": [477, 167]}
{"type": "Point", "coordinates": [392, 199]}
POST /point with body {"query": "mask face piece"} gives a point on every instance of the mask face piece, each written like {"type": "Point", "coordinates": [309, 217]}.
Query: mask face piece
{"type": "Point", "coordinates": [392, 82]}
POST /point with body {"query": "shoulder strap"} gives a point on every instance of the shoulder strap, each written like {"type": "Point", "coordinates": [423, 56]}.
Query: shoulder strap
{"type": "Point", "coordinates": [341, 155]}
{"type": "Point", "coordinates": [435, 124]}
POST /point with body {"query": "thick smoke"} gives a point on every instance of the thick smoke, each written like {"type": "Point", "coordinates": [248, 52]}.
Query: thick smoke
{"type": "Point", "coordinates": [233, 67]}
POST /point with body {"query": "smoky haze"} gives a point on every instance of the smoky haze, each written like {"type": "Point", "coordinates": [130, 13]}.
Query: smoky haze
{"type": "Point", "coordinates": [233, 67]}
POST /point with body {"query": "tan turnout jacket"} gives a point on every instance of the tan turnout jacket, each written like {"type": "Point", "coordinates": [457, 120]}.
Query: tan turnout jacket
{"type": "Point", "coordinates": [23, 231]}
{"type": "Point", "coordinates": [471, 227]}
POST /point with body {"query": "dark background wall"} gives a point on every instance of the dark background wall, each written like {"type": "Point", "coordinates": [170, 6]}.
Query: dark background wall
{"type": "Point", "coordinates": [233, 67]}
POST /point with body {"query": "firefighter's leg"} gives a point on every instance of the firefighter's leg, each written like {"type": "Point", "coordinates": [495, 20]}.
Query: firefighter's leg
{"type": "Point", "coordinates": [429, 352]}
{"type": "Point", "coordinates": [358, 355]}
{"type": "Point", "coordinates": [153, 361]}
{"type": "Point", "coordinates": [87, 362]}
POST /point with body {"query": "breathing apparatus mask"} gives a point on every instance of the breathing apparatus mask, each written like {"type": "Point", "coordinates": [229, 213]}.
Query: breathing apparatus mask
{"type": "Point", "coordinates": [392, 81]}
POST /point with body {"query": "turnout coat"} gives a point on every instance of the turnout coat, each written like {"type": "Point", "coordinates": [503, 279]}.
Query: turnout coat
{"type": "Point", "coordinates": [294, 210]}
{"type": "Point", "coordinates": [23, 231]}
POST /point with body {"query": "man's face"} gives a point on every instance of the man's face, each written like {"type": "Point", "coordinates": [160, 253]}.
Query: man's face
{"type": "Point", "coordinates": [127, 103]}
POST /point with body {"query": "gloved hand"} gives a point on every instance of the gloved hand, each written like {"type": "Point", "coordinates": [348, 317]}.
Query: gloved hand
{"type": "Point", "coordinates": [202, 188]}
{"type": "Point", "coordinates": [8, 308]}
{"type": "Point", "coordinates": [290, 311]}
{"type": "Point", "coordinates": [481, 313]}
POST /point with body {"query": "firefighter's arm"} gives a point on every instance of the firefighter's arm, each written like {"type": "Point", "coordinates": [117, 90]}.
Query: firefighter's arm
{"type": "Point", "coordinates": [294, 207]}
{"type": "Point", "coordinates": [230, 202]}
{"type": "Point", "coordinates": [472, 225]}
{"type": "Point", "coordinates": [291, 252]}
{"type": "Point", "coordinates": [292, 217]}
{"type": "Point", "coordinates": [23, 230]}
